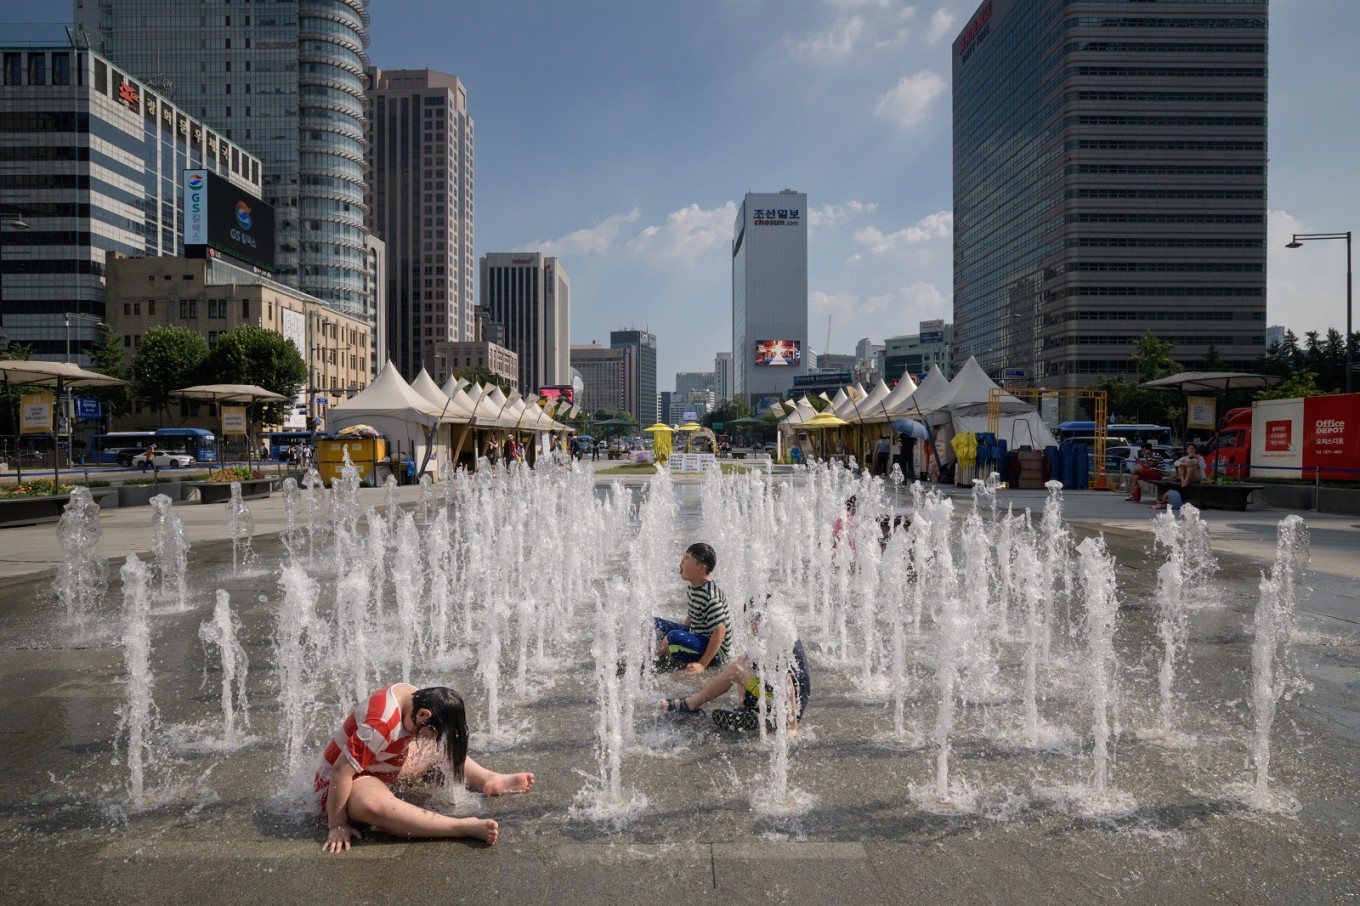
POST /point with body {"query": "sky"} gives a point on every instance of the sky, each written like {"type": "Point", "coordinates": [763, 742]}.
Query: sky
{"type": "Point", "coordinates": [620, 135]}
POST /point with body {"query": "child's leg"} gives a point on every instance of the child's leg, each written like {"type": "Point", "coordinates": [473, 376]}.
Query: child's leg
{"type": "Point", "coordinates": [734, 674]}
{"type": "Point", "coordinates": [683, 646]}
{"type": "Point", "coordinates": [372, 802]}
{"type": "Point", "coordinates": [490, 783]}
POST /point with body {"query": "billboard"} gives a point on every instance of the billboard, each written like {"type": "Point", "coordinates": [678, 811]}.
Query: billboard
{"type": "Point", "coordinates": [226, 219]}
{"type": "Point", "coordinates": [779, 352]}
{"type": "Point", "coordinates": [559, 391]}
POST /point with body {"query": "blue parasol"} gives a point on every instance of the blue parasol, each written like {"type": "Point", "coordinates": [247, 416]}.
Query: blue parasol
{"type": "Point", "coordinates": [911, 427]}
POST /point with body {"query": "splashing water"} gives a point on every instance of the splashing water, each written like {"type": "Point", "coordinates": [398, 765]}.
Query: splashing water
{"type": "Point", "coordinates": [138, 720]}
{"type": "Point", "coordinates": [170, 547]}
{"type": "Point", "coordinates": [241, 529]}
{"type": "Point", "coordinates": [221, 632]}
{"type": "Point", "coordinates": [1096, 567]}
{"type": "Point", "coordinates": [83, 574]}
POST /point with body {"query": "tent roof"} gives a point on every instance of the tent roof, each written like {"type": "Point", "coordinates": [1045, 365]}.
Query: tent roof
{"type": "Point", "coordinates": [970, 391]}
{"type": "Point", "coordinates": [389, 395]}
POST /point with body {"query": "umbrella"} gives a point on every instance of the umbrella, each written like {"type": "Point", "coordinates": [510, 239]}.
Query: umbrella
{"type": "Point", "coordinates": [659, 427]}
{"type": "Point", "coordinates": [1211, 381]}
{"type": "Point", "coordinates": [911, 427]}
{"type": "Point", "coordinates": [825, 420]}
{"type": "Point", "coordinates": [689, 426]}
{"type": "Point", "coordinates": [232, 393]}
{"type": "Point", "coordinates": [60, 375]}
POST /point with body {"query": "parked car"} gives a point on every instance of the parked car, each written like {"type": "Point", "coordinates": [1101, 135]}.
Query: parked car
{"type": "Point", "coordinates": [1119, 458]}
{"type": "Point", "coordinates": [125, 456]}
{"type": "Point", "coordinates": [167, 459]}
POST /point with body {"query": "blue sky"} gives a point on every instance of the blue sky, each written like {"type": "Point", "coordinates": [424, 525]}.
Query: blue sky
{"type": "Point", "coordinates": [621, 134]}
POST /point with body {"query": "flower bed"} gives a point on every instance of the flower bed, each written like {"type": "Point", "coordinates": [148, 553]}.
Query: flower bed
{"type": "Point", "coordinates": [217, 487]}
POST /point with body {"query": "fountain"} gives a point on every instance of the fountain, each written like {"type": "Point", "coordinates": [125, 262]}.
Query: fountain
{"type": "Point", "coordinates": [241, 529]}
{"type": "Point", "coordinates": [138, 716]}
{"type": "Point", "coordinates": [170, 547]}
{"type": "Point", "coordinates": [83, 574]}
{"type": "Point", "coordinates": [221, 632]}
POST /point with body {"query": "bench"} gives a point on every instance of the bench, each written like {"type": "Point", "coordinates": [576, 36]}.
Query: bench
{"type": "Point", "coordinates": [1208, 496]}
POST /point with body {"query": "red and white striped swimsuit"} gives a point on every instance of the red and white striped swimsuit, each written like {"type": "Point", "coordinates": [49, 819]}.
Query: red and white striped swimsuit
{"type": "Point", "coordinates": [372, 739]}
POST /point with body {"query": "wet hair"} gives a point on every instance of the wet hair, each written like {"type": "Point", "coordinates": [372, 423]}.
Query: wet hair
{"type": "Point", "coordinates": [851, 502]}
{"type": "Point", "coordinates": [704, 555]}
{"type": "Point", "coordinates": [448, 718]}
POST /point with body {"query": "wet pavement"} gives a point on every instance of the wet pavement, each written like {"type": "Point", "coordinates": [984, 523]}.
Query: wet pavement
{"type": "Point", "coordinates": [225, 825]}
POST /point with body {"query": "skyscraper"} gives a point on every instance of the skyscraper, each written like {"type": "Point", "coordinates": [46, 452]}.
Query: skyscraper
{"type": "Point", "coordinates": [57, 106]}
{"type": "Point", "coordinates": [643, 402]}
{"type": "Point", "coordinates": [769, 296]}
{"type": "Point", "coordinates": [421, 203]}
{"type": "Point", "coordinates": [285, 80]}
{"type": "Point", "coordinates": [722, 376]}
{"type": "Point", "coordinates": [1109, 180]}
{"type": "Point", "coordinates": [527, 299]}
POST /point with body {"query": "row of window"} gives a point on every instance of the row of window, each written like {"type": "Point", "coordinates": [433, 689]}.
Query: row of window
{"type": "Point", "coordinates": [1174, 314]}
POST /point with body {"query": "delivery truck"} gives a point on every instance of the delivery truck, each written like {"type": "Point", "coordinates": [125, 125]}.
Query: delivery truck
{"type": "Point", "coordinates": [1315, 437]}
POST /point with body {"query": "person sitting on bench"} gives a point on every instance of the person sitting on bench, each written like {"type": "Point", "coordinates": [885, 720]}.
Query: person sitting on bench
{"type": "Point", "coordinates": [1190, 467]}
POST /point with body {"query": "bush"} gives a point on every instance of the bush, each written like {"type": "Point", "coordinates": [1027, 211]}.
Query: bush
{"type": "Point", "coordinates": [234, 473]}
{"type": "Point", "coordinates": [143, 481]}
{"type": "Point", "coordinates": [95, 483]}
{"type": "Point", "coordinates": [37, 487]}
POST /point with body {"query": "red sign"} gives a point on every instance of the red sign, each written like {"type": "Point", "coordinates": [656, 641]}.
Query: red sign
{"type": "Point", "coordinates": [1331, 436]}
{"type": "Point", "coordinates": [1279, 436]}
{"type": "Point", "coordinates": [128, 94]}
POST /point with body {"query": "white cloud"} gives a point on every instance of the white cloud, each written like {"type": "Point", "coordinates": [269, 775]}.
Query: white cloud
{"type": "Point", "coordinates": [832, 44]}
{"type": "Point", "coordinates": [597, 238]}
{"type": "Point", "coordinates": [884, 314]}
{"type": "Point", "coordinates": [939, 225]}
{"type": "Point", "coordinates": [830, 215]}
{"type": "Point", "coordinates": [941, 26]}
{"type": "Point", "coordinates": [688, 233]}
{"type": "Point", "coordinates": [906, 104]}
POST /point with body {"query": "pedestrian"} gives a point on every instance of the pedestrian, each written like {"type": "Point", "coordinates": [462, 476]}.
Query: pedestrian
{"type": "Point", "coordinates": [882, 450]}
{"type": "Point", "coordinates": [149, 457]}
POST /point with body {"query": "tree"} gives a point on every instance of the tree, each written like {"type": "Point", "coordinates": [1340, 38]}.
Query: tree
{"type": "Point", "coordinates": [725, 412]}
{"type": "Point", "coordinates": [1300, 383]}
{"type": "Point", "coordinates": [1213, 359]}
{"type": "Point", "coordinates": [107, 357]}
{"type": "Point", "coordinates": [168, 359]}
{"type": "Point", "coordinates": [480, 374]}
{"type": "Point", "coordinates": [254, 355]}
{"type": "Point", "coordinates": [1152, 358]}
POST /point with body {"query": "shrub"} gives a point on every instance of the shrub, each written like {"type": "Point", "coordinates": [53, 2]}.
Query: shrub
{"type": "Point", "coordinates": [37, 487]}
{"type": "Point", "coordinates": [134, 482]}
{"type": "Point", "coordinates": [233, 473]}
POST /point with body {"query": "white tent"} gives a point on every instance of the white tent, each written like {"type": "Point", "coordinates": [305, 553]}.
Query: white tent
{"type": "Point", "coordinates": [962, 408]}
{"type": "Point", "coordinates": [393, 409]}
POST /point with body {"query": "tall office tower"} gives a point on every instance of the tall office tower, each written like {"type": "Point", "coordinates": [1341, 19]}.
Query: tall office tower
{"type": "Point", "coordinates": [285, 80]}
{"type": "Point", "coordinates": [722, 376]}
{"type": "Point", "coordinates": [527, 300]}
{"type": "Point", "coordinates": [420, 202]}
{"type": "Point", "coordinates": [643, 404]}
{"type": "Point", "coordinates": [608, 378]}
{"type": "Point", "coordinates": [1109, 180]}
{"type": "Point", "coordinates": [769, 296]}
{"type": "Point", "coordinates": [93, 163]}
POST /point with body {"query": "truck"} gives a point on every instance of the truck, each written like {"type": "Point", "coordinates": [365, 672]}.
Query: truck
{"type": "Point", "coordinates": [1315, 437]}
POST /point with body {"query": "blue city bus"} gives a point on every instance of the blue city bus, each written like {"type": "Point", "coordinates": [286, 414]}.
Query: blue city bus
{"type": "Point", "coordinates": [104, 448]}
{"type": "Point", "coordinates": [197, 442]}
{"type": "Point", "coordinates": [1134, 434]}
{"type": "Point", "coordinates": [280, 441]}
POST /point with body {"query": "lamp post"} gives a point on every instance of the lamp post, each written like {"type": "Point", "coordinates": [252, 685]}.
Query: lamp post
{"type": "Point", "coordinates": [14, 220]}
{"type": "Point", "coordinates": [1298, 240]}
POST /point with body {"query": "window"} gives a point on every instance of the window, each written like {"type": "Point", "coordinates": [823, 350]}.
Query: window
{"type": "Point", "coordinates": [245, 308]}
{"type": "Point", "coordinates": [14, 69]}
{"type": "Point", "coordinates": [151, 306]}
{"type": "Point", "coordinates": [183, 311]}
{"type": "Point", "coordinates": [127, 339]}
{"type": "Point", "coordinates": [127, 308]}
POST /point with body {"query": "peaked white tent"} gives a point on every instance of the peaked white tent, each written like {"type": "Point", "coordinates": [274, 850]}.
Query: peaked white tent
{"type": "Point", "coordinates": [391, 407]}
{"type": "Point", "coordinates": [962, 408]}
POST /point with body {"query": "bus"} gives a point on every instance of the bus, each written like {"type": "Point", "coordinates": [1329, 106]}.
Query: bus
{"type": "Point", "coordinates": [1133, 434]}
{"type": "Point", "coordinates": [197, 442]}
{"type": "Point", "coordinates": [280, 441]}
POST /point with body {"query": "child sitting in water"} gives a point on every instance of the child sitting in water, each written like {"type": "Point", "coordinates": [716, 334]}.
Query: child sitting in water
{"type": "Point", "coordinates": [354, 783]}
{"type": "Point", "coordinates": [744, 674]}
{"type": "Point", "coordinates": [703, 638]}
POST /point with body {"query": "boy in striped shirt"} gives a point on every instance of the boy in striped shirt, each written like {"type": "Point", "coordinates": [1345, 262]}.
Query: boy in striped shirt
{"type": "Point", "coordinates": [705, 636]}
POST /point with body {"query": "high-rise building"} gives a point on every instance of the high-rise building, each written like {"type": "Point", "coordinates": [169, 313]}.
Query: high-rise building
{"type": "Point", "coordinates": [93, 163]}
{"type": "Point", "coordinates": [527, 303]}
{"type": "Point", "coordinates": [608, 377]}
{"type": "Point", "coordinates": [769, 296]}
{"type": "Point", "coordinates": [285, 80]}
{"type": "Point", "coordinates": [1109, 181]}
{"type": "Point", "coordinates": [914, 354]}
{"type": "Point", "coordinates": [722, 376]}
{"type": "Point", "coordinates": [643, 404]}
{"type": "Point", "coordinates": [421, 202]}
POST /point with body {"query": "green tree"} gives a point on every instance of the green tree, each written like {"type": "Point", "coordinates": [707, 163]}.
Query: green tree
{"type": "Point", "coordinates": [168, 359]}
{"type": "Point", "coordinates": [1213, 359]}
{"type": "Point", "coordinates": [726, 412]}
{"type": "Point", "coordinates": [107, 357]}
{"type": "Point", "coordinates": [1152, 358]}
{"type": "Point", "coordinates": [1300, 383]}
{"type": "Point", "coordinates": [254, 355]}
{"type": "Point", "coordinates": [480, 374]}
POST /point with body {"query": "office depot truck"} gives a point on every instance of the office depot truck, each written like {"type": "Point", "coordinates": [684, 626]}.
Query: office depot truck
{"type": "Point", "coordinates": [1310, 437]}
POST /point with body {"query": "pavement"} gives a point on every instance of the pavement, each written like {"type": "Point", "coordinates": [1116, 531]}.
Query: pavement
{"type": "Point", "coordinates": [223, 825]}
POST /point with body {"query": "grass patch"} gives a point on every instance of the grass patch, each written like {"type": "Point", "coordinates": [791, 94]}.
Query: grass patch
{"type": "Point", "coordinates": [631, 468]}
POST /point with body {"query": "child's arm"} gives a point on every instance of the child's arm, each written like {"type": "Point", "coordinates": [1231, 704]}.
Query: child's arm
{"type": "Point", "coordinates": [337, 810]}
{"type": "Point", "coordinates": [793, 707]}
{"type": "Point", "coordinates": [710, 651]}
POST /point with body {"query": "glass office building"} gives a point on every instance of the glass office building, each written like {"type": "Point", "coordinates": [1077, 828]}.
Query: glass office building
{"type": "Point", "coordinates": [285, 80]}
{"type": "Point", "coordinates": [769, 296]}
{"type": "Point", "coordinates": [642, 399]}
{"type": "Point", "coordinates": [526, 298]}
{"type": "Point", "coordinates": [91, 162]}
{"type": "Point", "coordinates": [1109, 180]}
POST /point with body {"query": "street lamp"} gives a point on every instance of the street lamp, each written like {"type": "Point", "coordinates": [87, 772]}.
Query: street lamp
{"type": "Point", "coordinates": [13, 220]}
{"type": "Point", "coordinates": [1298, 240]}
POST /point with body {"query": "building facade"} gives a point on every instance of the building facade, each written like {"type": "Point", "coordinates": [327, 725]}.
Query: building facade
{"type": "Point", "coordinates": [443, 358]}
{"type": "Point", "coordinates": [643, 405]}
{"type": "Point", "coordinates": [212, 297]}
{"type": "Point", "coordinates": [769, 296]}
{"type": "Point", "coordinates": [285, 80]}
{"type": "Point", "coordinates": [608, 376]}
{"type": "Point", "coordinates": [1109, 181]}
{"type": "Point", "coordinates": [526, 301]}
{"type": "Point", "coordinates": [91, 161]}
{"type": "Point", "coordinates": [915, 353]}
{"type": "Point", "coordinates": [722, 376]}
{"type": "Point", "coordinates": [420, 201]}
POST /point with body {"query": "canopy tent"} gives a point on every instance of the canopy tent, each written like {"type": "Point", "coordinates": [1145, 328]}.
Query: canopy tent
{"type": "Point", "coordinates": [1211, 381]}
{"type": "Point", "coordinates": [59, 375]}
{"type": "Point", "coordinates": [915, 403]}
{"type": "Point", "coordinates": [406, 418]}
{"type": "Point", "coordinates": [962, 407]}
{"type": "Point", "coordinates": [233, 393]}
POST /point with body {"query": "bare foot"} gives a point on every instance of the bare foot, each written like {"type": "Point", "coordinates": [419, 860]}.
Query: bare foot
{"type": "Point", "coordinates": [497, 784]}
{"type": "Point", "coordinates": [485, 829]}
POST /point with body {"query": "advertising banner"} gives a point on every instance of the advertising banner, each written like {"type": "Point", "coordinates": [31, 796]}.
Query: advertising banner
{"type": "Point", "coordinates": [1331, 437]}
{"type": "Point", "coordinates": [779, 352]}
{"type": "Point", "coordinates": [35, 413]}
{"type": "Point", "coordinates": [1200, 412]}
{"type": "Point", "coordinates": [227, 219]}
{"type": "Point", "coordinates": [233, 419]}
{"type": "Point", "coordinates": [1276, 431]}
{"type": "Point", "coordinates": [692, 462]}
